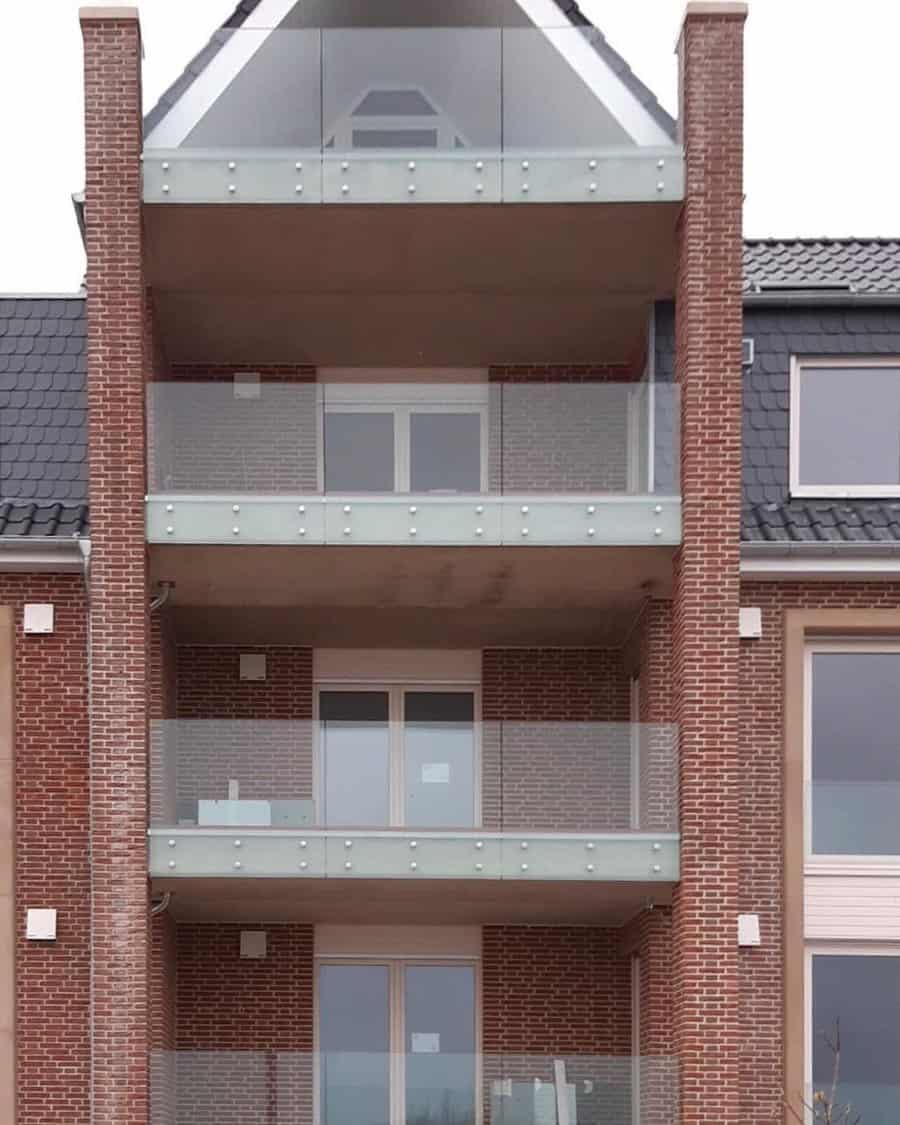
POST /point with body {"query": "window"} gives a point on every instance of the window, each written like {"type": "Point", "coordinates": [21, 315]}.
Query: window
{"type": "Point", "coordinates": [845, 427]}
{"type": "Point", "coordinates": [392, 756]}
{"type": "Point", "coordinates": [393, 438]}
{"type": "Point", "coordinates": [397, 1042]}
{"type": "Point", "coordinates": [859, 994]}
{"type": "Point", "coordinates": [853, 749]}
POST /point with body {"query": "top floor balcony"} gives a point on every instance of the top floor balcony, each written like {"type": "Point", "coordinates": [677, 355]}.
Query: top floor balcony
{"type": "Point", "coordinates": [514, 106]}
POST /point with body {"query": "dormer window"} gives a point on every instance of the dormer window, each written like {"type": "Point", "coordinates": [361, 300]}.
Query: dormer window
{"type": "Point", "coordinates": [845, 427]}
{"type": "Point", "coordinates": [395, 118]}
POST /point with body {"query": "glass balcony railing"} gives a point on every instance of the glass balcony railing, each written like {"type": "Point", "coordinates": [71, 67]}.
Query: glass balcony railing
{"type": "Point", "coordinates": [437, 1088]}
{"type": "Point", "coordinates": [854, 818]}
{"type": "Point", "coordinates": [415, 799]}
{"type": "Point", "coordinates": [469, 454]}
{"type": "Point", "coordinates": [391, 114]}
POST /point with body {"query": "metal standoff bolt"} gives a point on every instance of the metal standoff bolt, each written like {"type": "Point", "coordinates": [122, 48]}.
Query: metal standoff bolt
{"type": "Point", "coordinates": [658, 509]}
{"type": "Point", "coordinates": [524, 532]}
{"type": "Point", "coordinates": [525, 165]}
{"type": "Point", "coordinates": [347, 531]}
{"type": "Point", "coordinates": [232, 189]}
{"type": "Point", "coordinates": [236, 508]}
{"type": "Point", "coordinates": [590, 846]}
{"type": "Point", "coordinates": [171, 843]}
{"type": "Point", "coordinates": [231, 166]}
{"type": "Point", "coordinates": [479, 188]}
{"type": "Point", "coordinates": [170, 531]}
{"type": "Point", "coordinates": [524, 509]}
{"type": "Point", "coordinates": [479, 510]}
{"type": "Point", "coordinates": [299, 189]}
{"type": "Point", "coordinates": [348, 866]}
{"type": "Point", "coordinates": [524, 845]}
{"type": "Point", "coordinates": [302, 843]}
{"type": "Point", "coordinates": [236, 531]}
{"type": "Point", "coordinates": [348, 843]}
{"type": "Point", "coordinates": [479, 867]}
{"type": "Point", "coordinates": [657, 847]}
{"type": "Point", "coordinates": [171, 863]}
{"type": "Point", "coordinates": [479, 844]}
{"type": "Point", "coordinates": [237, 843]}
{"type": "Point", "coordinates": [165, 165]}
{"type": "Point", "coordinates": [590, 867]}
{"type": "Point", "coordinates": [303, 865]}
{"type": "Point", "coordinates": [237, 865]}
{"type": "Point", "coordinates": [299, 165]}
{"type": "Point", "coordinates": [591, 533]}
{"type": "Point", "coordinates": [347, 509]}
{"type": "Point", "coordinates": [592, 188]}
{"type": "Point", "coordinates": [657, 531]}
{"type": "Point", "coordinates": [660, 186]}
{"type": "Point", "coordinates": [524, 189]}
{"type": "Point", "coordinates": [412, 531]}
{"type": "Point", "coordinates": [165, 189]}
{"type": "Point", "coordinates": [411, 189]}
{"type": "Point", "coordinates": [413, 866]}
{"type": "Point", "coordinates": [524, 866]}
{"type": "Point", "coordinates": [656, 869]}
{"type": "Point", "coordinates": [302, 509]}
{"type": "Point", "coordinates": [345, 189]}
{"type": "Point", "coordinates": [345, 165]}
{"type": "Point", "coordinates": [412, 509]}
{"type": "Point", "coordinates": [479, 165]}
{"type": "Point", "coordinates": [592, 164]}
{"type": "Point", "coordinates": [591, 509]}
{"type": "Point", "coordinates": [414, 843]}
{"type": "Point", "coordinates": [660, 164]}
{"type": "Point", "coordinates": [302, 531]}
{"type": "Point", "coordinates": [170, 507]}
{"type": "Point", "coordinates": [412, 165]}
{"type": "Point", "coordinates": [479, 531]}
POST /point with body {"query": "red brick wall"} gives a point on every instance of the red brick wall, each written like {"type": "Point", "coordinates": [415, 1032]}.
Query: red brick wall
{"type": "Point", "coordinates": [51, 840]}
{"type": "Point", "coordinates": [118, 359]}
{"type": "Point", "coordinates": [705, 649]}
{"type": "Point", "coordinates": [555, 744]}
{"type": "Point", "coordinates": [761, 818]}
{"type": "Point", "coordinates": [245, 1027]}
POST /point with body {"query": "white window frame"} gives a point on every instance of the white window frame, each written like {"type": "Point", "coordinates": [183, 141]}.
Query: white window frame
{"type": "Point", "coordinates": [798, 363]}
{"type": "Point", "coordinates": [402, 400]}
{"type": "Point", "coordinates": [829, 949]}
{"type": "Point", "coordinates": [818, 863]}
{"type": "Point", "coordinates": [396, 693]}
{"type": "Point", "coordinates": [397, 964]}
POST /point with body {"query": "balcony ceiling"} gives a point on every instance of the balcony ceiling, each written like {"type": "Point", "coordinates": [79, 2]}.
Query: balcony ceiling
{"type": "Point", "coordinates": [398, 901]}
{"type": "Point", "coordinates": [408, 285]}
{"type": "Point", "coordinates": [409, 597]}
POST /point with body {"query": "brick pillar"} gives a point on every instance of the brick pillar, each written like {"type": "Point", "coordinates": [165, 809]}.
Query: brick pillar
{"type": "Point", "coordinates": [706, 595]}
{"type": "Point", "coordinates": [118, 574]}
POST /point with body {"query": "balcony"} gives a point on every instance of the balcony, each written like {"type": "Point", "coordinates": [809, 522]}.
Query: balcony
{"type": "Point", "coordinates": [409, 115]}
{"type": "Point", "coordinates": [334, 1087]}
{"type": "Point", "coordinates": [485, 808]}
{"type": "Point", "coordinates": [475, 464]}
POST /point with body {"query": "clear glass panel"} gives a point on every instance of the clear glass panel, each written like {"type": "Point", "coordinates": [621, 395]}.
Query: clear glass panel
{"type": "Point", "coordinates": [445, 452]}
{"type": "Point", "coordinates": [355, 756]}
{"type": "Point", "coordinates": [849, 426]}
{"type": "Point", "coordinates": [439, 766]}
{"type": "Point", "coordinates": [549, 103]}
{"type": "Point", "coordinates": [440, 1044]}
{"type": "Point", "coordinates": [435, 89]}
{"type": "Point", "coordinates": [275, 98]}
{"type": "Point", "coordinates": [359, 452]}
{"type": "Point", "coordinates": [859, 997]}
{"type": "Point", "coordinates": [354, 1043]}
{"type": "Point", "coordinates": [855, 753]}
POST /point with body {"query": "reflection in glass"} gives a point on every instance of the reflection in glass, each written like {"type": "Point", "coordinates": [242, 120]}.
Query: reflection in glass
{"type": "Point", "coordinates": [445, 452]}
{"type": "Point", "coordinates": [439, 731]}
{"type": "Point", "coordinates": [359, 452]}
{"type": "Point", "coordinates": [355, 756]}
{"type": "Point", "coordinates": [354, 1042]}
{"type": "Point", "coordinates": [440, 1045]}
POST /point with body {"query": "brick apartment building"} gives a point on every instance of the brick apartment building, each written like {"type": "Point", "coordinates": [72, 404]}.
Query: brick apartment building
{"type": "Point", "coordinates": [423, 699]}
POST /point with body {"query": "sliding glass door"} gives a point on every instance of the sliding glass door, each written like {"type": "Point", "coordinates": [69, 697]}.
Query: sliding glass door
{"type": "Point", "coordinates": [397, 1044]}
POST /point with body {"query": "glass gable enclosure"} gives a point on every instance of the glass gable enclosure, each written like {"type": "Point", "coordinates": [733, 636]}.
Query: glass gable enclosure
{"type": "Point", "coordinates": [387, 103]}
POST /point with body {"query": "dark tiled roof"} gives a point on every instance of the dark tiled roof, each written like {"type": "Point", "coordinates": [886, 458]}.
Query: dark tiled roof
{"type": "Point", "coordinates": [43, 416]}
{"type": "Point", "coordinates": [43, 520]}
{"type": "Point", "coordinates": [569, 8]}
{"type": "Point", "coordinates": [857, 265]}
{"type": "Point", "coordinates": [823, 521]}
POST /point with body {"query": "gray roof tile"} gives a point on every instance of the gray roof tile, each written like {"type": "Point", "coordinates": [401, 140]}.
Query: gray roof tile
{"type": "Point", "coordinates": [863, 266]}
{"type": "Point", "coordinates": [42, 520]}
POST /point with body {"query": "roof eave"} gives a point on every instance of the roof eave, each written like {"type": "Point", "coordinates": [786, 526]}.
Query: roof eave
{"type": "Point", "coordinates": [22, 554]}
{"type": "Point", "coordinates": [805, 298]}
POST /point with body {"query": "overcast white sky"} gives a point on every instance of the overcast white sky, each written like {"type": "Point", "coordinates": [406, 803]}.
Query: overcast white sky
{"type": "Point", "coordinates": [821, 99]}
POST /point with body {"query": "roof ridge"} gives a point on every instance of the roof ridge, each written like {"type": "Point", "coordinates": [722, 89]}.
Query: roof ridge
{"type": "Point", "coordinates": [824, 240]}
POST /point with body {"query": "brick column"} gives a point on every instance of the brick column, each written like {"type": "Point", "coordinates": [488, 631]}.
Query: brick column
{"type": "Point", "coordinates": [118, 575]}
{"type": "Point", "coordinates": [706, 596]}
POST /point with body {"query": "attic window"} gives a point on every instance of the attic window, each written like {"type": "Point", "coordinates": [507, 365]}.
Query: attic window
{"type": "Point", "coordinates": [403, 118]}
